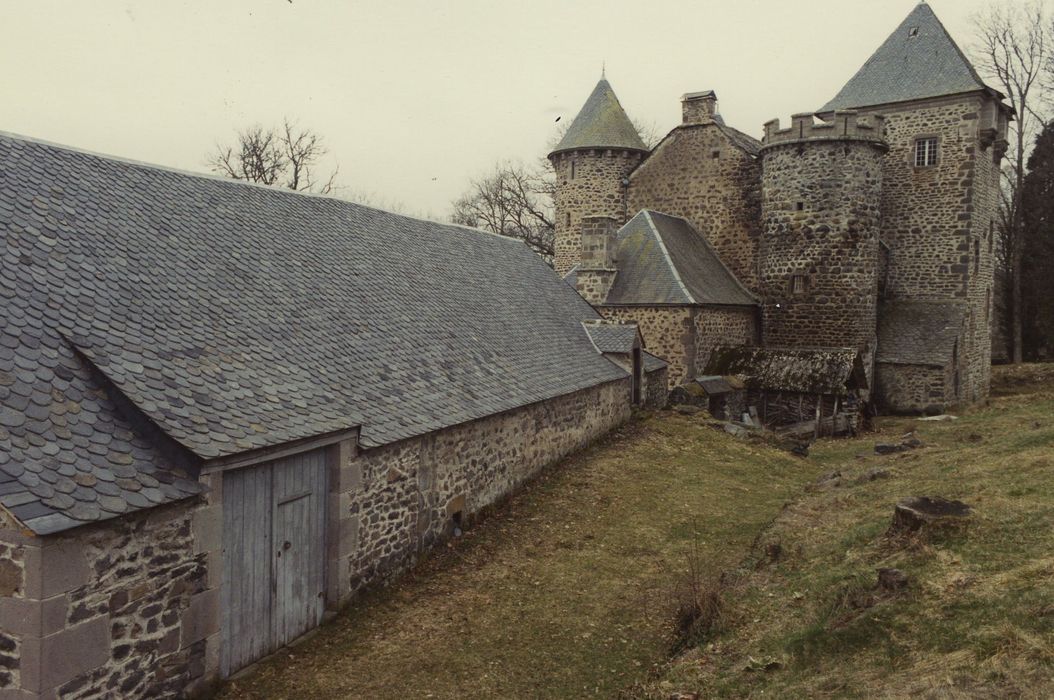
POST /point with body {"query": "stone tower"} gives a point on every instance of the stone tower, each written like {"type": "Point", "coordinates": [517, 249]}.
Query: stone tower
{"type": "Point", "coordinates": [820, 210]}
{"type": "Point", "coordinates": [592, 162]}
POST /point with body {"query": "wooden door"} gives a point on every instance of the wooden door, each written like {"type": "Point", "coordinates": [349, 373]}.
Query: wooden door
{"type": "Point", "coordinates": [274, 556]}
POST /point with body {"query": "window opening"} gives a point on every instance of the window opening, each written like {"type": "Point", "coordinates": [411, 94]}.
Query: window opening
{"type": "Point", "coordinates": [798, 284]}
{"type": "Point", "coordinates": [925, 152]}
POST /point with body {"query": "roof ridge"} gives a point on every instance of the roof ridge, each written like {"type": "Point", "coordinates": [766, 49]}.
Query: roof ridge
{"type": "Point", "coordinates": [666, 254]}
{"type": "Point", "coordinates": [712, 250]}
{"type": "Point", "coordinates": [278, 189]}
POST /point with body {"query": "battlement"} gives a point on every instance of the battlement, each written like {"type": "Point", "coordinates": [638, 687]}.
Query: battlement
{"type": "Point", "coordinates": [846, 126]}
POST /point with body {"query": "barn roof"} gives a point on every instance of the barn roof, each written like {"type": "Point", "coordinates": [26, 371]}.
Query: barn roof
{"type": "Point", "coordinates": [662, 259]}
{"type": "Point", "coordinates": [153, 319]}
{"type": "Point", "coordinates": [918, 60]}
{"type": "Point", "coordinates": [805, 370]}
{"type": "Point", "coordinates": [601, 123]}
{"type": "Point", "coordinates": [919, 332]}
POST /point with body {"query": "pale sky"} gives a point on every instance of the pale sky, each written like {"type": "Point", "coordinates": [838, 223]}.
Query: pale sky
{"type": "Point", "coordinates": [416, 97]}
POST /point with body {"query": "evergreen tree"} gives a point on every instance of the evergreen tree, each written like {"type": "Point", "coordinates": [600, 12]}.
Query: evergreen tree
{"type": "Point", "coordinates": [1037, 204]}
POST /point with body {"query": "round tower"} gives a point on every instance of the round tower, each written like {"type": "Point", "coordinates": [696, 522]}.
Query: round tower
{"type": "Point", "coordinates": [592, 162]}
{"type": "Point", "coordinates": [821, 190]}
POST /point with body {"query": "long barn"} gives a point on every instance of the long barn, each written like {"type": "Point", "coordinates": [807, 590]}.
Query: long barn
{"type": "Point", "coordinates": [225, 409]}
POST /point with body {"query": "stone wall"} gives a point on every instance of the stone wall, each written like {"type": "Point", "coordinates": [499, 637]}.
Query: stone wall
{"type": "Point", "coordinates": [730, 326]}
{"type": "Point", "coordinates": [668, 332]}
{"type": "Point", "coordinates": [938, 220]}
{"type": "Point", "coordinates": [914, 388]}
{"type": "Point", "coordinates": [819, 245]}
{"type": "Point", "coordinates": [397, 500]}
{"type": "Point", "coordinates": [655, 389]}
{"type": "Point", "coordinates": [592, 188]}
{"type": "Point", "coordinates": [699, 174]}
{"type": "Point", "coordinates": [118, 609]}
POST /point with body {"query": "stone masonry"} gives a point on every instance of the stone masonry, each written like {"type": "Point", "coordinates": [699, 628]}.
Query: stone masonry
{"type": "Point", "coordinates": [822, 188]}
{"type": "Point", "coordinates": [396, 501]}
{"type": "Point", "coordinates": [938, 221]}
{"type": "Point", "coordinates": [590, 184]}
{"type": "Point", "coordinates": [698, 172]}
{"type": "Point", "coordinates": [121, 609]}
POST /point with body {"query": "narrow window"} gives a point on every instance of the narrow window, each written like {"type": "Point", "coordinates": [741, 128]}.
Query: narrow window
{"type": "Point", "coordinates": [925, 152]}
{"type": "Point", "coordinates": [800, 206]}
{"type": "Point", "coordinates": [988, 305]}
{"type": "Point", "coordinates": [572, 170]}
{"type": "Point", "coordinates": [991, 235]}
{"type": "Point", "coordinates": [568, 219]}
{"type": "Point", "coordinates": [976, 255]}
{"type": "Point", "coordinates": [798, 284]}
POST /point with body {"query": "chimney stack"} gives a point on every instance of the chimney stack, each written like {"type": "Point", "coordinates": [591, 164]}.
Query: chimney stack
{"type": "Point", "coordinates": [699, 107]}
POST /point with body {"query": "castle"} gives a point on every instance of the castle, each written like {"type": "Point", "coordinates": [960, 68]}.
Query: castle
{"type": "Point", "coordinates": [867, 225]}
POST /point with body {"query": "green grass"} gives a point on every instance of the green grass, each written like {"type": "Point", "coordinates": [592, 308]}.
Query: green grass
{"type": "Point", "coordinates": [570, 589]}
{"type": "Point", "coordinates": [978, 617]}
{"type": "Point", "coordinates": [567, 590]}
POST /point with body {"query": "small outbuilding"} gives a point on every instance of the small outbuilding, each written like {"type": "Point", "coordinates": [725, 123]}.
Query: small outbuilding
{"type": "Point", "coordinates": [818, 391]}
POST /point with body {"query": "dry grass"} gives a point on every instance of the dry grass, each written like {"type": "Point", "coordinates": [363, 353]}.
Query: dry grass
{"type": "Point", "coordinates": [568, 589]}
{"type": "Point", "coordinates": [977, 619]}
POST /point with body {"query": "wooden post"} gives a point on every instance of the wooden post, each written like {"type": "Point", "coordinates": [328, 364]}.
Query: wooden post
{"type": "Point", "coordinates": [819, 414]}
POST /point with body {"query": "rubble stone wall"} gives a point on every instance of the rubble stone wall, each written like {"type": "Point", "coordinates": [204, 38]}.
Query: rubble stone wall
{"type": "Point", "coordinates": [698, 173]}
{"type": "Point", "coordinates": [404, 497]}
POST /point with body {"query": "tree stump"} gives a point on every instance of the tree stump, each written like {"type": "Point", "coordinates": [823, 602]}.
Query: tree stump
{"type": "Point", "coordinates": [912, 514]}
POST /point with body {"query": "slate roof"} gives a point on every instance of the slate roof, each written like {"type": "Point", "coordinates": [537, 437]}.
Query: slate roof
{"type": "Point", "coordinates": [804, 370]}
{"type": "Point", "coordinates": [662, 259]}
{"type": "Point", "coordinates": [612, 337]}
{"type": "Point", "coordinates": [744, 141]}
{"type": "Point", "coordinates": [918, 60]}
{"type": "Point", "coordinates": [601, 123]}
{"type": "Point", "coordinates": [918, 332]}
{"type": "Point", "coordinates": [153, 319]}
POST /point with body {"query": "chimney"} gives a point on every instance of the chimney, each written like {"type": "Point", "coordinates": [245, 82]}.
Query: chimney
{"type": "Point", "coordinates": [699, 107]}
{"type": "Point", "coordinates": [596, 272]}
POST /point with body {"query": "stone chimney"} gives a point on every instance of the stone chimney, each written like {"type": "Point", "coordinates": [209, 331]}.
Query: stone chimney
{"type": "Point", "coordinates": [597, 270]}
{"type": "Point", "coordinates": [699, 107]}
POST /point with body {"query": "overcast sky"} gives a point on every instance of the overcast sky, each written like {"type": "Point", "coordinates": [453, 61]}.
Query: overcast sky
{"type": "Point", "coordinates": [415, 98]}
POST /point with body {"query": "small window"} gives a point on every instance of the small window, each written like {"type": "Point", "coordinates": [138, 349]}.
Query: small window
{"type": "Point", "coordinates": [800, 206]}
{"type": "Point", "coordinates": [976, 254]}
{"type": "Point", "coordinates": [798, 284]}
{"type": "Point", "coordinates": [925, 152]}
{"type": "Point", "coordinates": [715, 154]}
{"type": "Point", "coordinates": [913, 32]}
{"type": "Point", "coordinates": [572, 170]}
{"type": "Point", "coordinates": [568, 219]}
{"type": "Point", "coordinates": [991, 235]}
{"type": "Point", "coordinates": [988, 305]}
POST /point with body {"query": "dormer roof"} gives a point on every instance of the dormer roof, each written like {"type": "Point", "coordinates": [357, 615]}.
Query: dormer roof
{"type": "Point", "coordinates": [601, 123]}
{"type": "Point", "coordinates": [919, 60]}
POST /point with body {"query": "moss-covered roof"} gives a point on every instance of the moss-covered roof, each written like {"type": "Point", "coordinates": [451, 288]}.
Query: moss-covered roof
{"type": "Point", "coordinates": [601, 123]}
{"type": "Point", "coordinates": [805, 370]}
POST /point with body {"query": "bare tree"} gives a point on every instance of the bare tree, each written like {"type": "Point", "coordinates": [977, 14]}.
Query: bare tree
{"type": "Point", "coordinates": [1014, 50]}
{"type": "Point", "coordinates": [512, 201]}
{"type": "Point", "coordinates": [287, 156]}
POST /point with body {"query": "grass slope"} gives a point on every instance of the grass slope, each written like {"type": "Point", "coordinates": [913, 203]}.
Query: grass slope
{"type": "Point", "coordinates": [564, 591]}
{"type": "Point", "coordinates": [977, 619]}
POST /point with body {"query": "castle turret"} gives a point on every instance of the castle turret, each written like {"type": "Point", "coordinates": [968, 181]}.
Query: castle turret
{"type": "Point", "coordinates": [592, 162]}
{"type": "Point", "coordinates": [821, 197]}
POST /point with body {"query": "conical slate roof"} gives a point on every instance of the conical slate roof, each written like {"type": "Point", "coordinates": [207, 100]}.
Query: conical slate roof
{"type": "Point", "coordinates": [601, 123]}
{"type": "Point", "coordinates": [918, 60]}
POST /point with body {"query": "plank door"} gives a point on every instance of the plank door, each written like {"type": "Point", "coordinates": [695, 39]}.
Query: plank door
{"type": "Point", "coordinates": [274, 556]}
{"type": "Point", "coordinates": [298, 545]}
